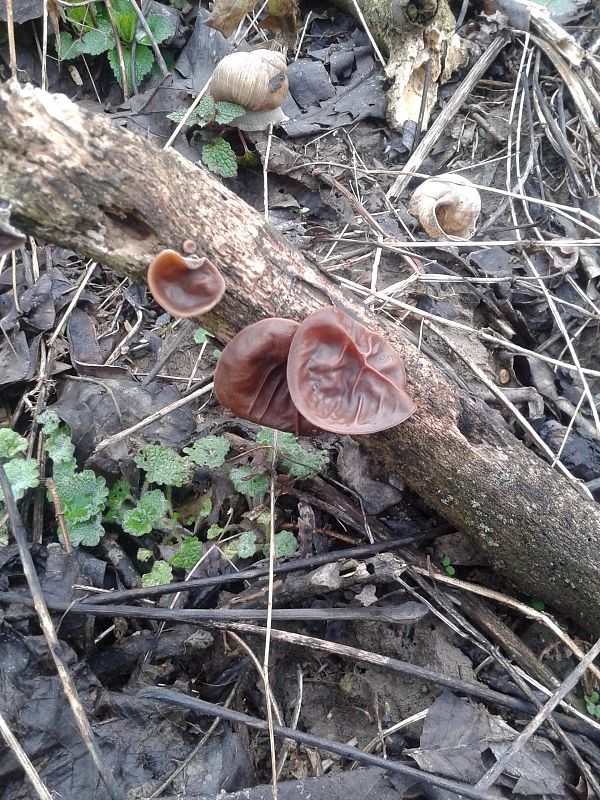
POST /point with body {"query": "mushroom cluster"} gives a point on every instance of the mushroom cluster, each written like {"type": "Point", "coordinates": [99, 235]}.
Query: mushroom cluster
{"type": "Point", "coordinates": [328, 373]}
{"type": "Point", "coordinates": [184, 286]}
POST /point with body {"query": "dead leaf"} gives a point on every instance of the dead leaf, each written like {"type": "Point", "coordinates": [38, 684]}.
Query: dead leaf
{"type": "Point", "coordinates": [281, 18]}
{"type": "Point", "coordinates": [227, 15]}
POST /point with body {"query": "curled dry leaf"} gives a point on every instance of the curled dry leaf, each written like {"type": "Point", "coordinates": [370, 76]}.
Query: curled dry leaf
{"type": "Point", "coordinates": [446, 206]}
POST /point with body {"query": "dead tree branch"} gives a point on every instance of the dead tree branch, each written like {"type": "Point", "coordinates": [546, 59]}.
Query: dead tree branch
{"type": "Point", "coordinates": [76, 179]}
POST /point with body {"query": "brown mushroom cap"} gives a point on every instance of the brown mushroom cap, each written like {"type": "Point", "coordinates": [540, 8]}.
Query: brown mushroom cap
{"type": "Point", "coordinates": [185, 287]}
{"type": "Point", "coordinates": [344, 378]}
{"type": "Point", "coordinates": [250, 378]}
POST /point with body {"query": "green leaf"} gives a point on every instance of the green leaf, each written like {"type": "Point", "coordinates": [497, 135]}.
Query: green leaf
{"type": "Point", "coordinates": [143, 554]}
{"type": "Point", "coordinates": [49, 422]}
{"type": "Point", "coordinates": [11, 444]}
{"type": "Point", "coordinates": [188, 554]}
{"type": "Point", "coordinates": [226, 111]}
{"type": "Point", "coordinates": [205, 508]}
{"type": "Point", "coordinates": [209, 451]}
{"type": "Point", "coordinates": [538, 605]}
{"type": "Point", "coordinates": [201, 115]}
{"type": "Point", "coordinates": [124, 17]}
{"type": "Point", "coordinates": [248, 484]}
{"type": "Point", "coordinates": [246, 545]}
{"type": "Point", "coordinates": [82, 494]}
{"type": "Point", "coordinates": [88, 532]}
{"type": "Point", "coordinates": [200, 335]}
{"type": "Point", "coordinates": [445, 560]}
{"type": "Point", "coordinates": [299, 462]}
{"type": "Point", "coordinates": [143, 63]}
{"type": "Point", "coordinates": [150, 509]}
{"type": "Point", "coordinates": [118, 495]}
{"type": "Point", "coordinates": [450, 570]}
{"type": "Point", "coordinates": [61, 450]}
{"type": "Point", "coordinates": [22, 474]}
{"type": "Point", "coordinates": [164, 466]}
{"type": "Point", "coordinates": [160, 574]}
{"type": "Point", "coordinates": [285, 544]}
{"type": "Point", "coordinates": [219, 158]}
{"type": "Point", "coordinates": [66, 47]}
{"type": "Point", "coordinates": [216, 353]}
{"type": "Point", "coordinates": [95, 42]}
{"type": "Point", "coordinates": [214, 531]}
{"type": "Point", "coordinates": [160, 27]}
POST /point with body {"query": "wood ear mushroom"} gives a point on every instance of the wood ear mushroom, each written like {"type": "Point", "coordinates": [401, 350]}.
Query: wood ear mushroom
{"type": "Point", "coordinates": [447, 206]}
{"type": "Point", "coordinates": [257, 81]}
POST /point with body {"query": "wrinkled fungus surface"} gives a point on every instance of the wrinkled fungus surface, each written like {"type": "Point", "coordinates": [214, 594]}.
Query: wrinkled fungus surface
{"type": "Point", "coordinates": [344, 378]}
{"type": "Point", "coordinates": [185, 287]}
{"type": "Point", "coordinates": [250, 378]}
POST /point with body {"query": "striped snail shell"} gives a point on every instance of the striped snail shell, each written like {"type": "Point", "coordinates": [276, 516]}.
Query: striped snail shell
{"type": "Point", "coordinates": [257, 81]}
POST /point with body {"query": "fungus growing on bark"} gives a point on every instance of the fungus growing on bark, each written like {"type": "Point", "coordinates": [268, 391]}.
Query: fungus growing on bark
{"type": "Point", "coordinates": [257, 81]}
{"type": "Point", "coordinates": [250, 378]}
{"type": "Point", "coordinates": [185, 287]}
{"type": "Point", "coordinates": [344, 378]}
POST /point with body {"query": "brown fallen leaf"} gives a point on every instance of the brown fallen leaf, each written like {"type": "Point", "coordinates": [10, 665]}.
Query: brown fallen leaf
{"type": "Point", "coordinates": [227, 15]}
{"type": "Point", "coordinates": [281, 18]}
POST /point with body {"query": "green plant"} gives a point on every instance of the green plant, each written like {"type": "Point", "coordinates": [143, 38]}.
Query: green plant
{"type": "Point", "coordinates": [82, 494]}
{"type": "Point", "coordinates": [448, 568]}
{"type": "Point", "coordinates": [95, 36]}
{"type": "Point", "coordinates": [217, 155]}
{"type": "Point", "coordinates": [22, 472]}
{"type": "Point", "coordinates": [299, 462]}
{"type": "Point", "coordinates": [160, 574]}
{"type": "Point", "coordinates": [592, 704]}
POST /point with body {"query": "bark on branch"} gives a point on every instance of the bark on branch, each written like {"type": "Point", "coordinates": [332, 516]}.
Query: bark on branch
{"type": "Point", "coordinates": [76, 179]}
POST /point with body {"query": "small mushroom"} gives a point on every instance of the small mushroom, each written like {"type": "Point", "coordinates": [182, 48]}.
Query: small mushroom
{"type": "Point", "coordinates": [257, 81]}
{"type": "Point", "coordinates": [446, 206]}
{"type": "Point", "coordinates": [250, 378]}
{"type": "Point", "coordinates": [344, 378]}
{"type": "Point", "coordinates": [185, 287]}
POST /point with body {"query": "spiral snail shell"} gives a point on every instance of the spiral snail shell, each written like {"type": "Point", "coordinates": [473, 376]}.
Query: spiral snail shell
{"type": "Point", "coordinates": [257, 81]}
{"type": "Point", "coordinates": [447, 206]}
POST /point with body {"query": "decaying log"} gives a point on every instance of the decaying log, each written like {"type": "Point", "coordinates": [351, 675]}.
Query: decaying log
{"type": "Point", "coordinates": [76, 179]}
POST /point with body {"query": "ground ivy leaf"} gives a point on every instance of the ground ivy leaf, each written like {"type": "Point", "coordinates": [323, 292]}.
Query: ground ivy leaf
{"type": "Point", "coordinates": [246, 544]}
{"type": "Point", "coordinates": [285, 544]}
{"type": "Point", "coordinates": [219, 158]}
{"type": "Point", "coordinates": [95, 42]}
{"type": "Point", "coordinates": [11, 443]}
{"type": "Point", "coordinates": [49, 422]}
{"type": "Point", "coordinates": [160, 574]}
{"type": "Point", "coordinates": [299, 462]}
{"type": "Point", "coordinates": [160, 27]}
{"type": "Point", "coordinates": [188, 554]}
{"type": "Point", "coordinates": [214, 531]}
{"type": "Point", "coordinates": [82, 494]}
{"type": "Point", "coordinates": [200, 335]}
{"type": "Point", "coordinates": [67, 47]}
{"type": "Point", "coordinates": [22, 474]}
{"type": "Point", "coordinates": [118, 495]}
{"type": "Point", "coordinates": [247, 483]}
{"type": "Point", "coordinates": [143, 554]}
{"type": "Point", "coordinates": [88, 533]}
{"type": "Point", "coordinates": [164, 466]}
{"type": "Point", "coordinates": [210, 451]}
{"type": "Point", "coordinates": [226, 111]}
{"type": "Point", "coordinates": [149, 510]}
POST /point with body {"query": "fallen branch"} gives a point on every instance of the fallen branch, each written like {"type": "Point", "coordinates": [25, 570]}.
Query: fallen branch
{"type": "Point", "coordinates": [76, 179]}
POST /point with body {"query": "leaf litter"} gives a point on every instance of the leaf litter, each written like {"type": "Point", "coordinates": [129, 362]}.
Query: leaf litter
{"type": "Point", "coordinates": [187, 497]}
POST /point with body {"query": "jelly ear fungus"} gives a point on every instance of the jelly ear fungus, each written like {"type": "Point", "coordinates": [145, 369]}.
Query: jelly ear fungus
{"type": "Point", "coordinates": [185, 286]}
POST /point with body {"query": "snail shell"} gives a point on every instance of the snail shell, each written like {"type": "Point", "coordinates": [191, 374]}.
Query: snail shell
{"type": "Point", "coordinates": [446, 206]}
{"type": "Point", "coordinates": [257, 81]}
